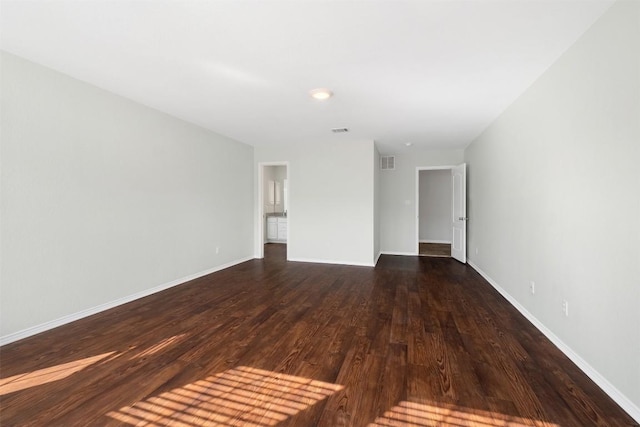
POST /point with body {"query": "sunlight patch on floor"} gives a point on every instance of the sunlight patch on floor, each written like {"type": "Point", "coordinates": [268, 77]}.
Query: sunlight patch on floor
{"type": "Point", "coordinates": [47, 375]}
{"type": "Point", "coordinates": [407, 414]}
{"type": "Point", "coordinates": [242, 396]}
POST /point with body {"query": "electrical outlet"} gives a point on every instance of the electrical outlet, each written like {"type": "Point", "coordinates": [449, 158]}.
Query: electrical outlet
{"type": "Point", "coordinates": [476, 251]}
{"type": "Point", "coordinates": [565, 308]}
{"type": "Point", "coordinates": [532, 287]}
{"type": "Point", "coordinates": [217, 249]}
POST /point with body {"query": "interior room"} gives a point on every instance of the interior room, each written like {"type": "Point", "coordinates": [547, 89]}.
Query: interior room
{"type": "Point", "coordinates": [211, 213]}
{"type": "Point", "coordinates": [435, 212]}
{"type": "Point", "coordinates": [275, 204]}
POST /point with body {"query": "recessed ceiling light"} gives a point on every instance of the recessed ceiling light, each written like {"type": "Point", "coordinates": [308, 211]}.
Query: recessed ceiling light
{"type": "Point", "coordinates": [321, 93]}
{"type": "Point", "coordinates": [408, 144]}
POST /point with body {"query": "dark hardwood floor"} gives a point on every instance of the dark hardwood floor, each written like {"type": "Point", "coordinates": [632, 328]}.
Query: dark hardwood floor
{"type": "Point", "coordinates": [435, 249]}
{"type": "Point", "coordinates": [414, 342]}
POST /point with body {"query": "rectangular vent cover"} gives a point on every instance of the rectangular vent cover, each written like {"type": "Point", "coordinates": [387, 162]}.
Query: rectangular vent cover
{"type": "Point", "coordinates": [387, 163]}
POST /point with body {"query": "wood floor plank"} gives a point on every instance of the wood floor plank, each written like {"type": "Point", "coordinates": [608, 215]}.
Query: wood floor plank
{"type": "Point", "coordinates": [399, 316]}
{"type": "Point", "coordinates": [415, 341]}
{"type": "Point", "coordinates": [341, 407]}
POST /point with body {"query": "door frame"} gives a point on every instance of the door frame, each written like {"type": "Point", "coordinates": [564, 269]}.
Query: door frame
{"type": "Point", "coordinates": [261, 218]}
{"type": "Point", "coordinates": [418, 170]}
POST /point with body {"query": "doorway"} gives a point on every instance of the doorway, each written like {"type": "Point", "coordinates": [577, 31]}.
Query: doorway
{"type": "Point", "coordinates": [434, 212]}
{"type": "Point", "coordinates": [441, 211]}
{"type": "Point", "coordinates": [273, 208]}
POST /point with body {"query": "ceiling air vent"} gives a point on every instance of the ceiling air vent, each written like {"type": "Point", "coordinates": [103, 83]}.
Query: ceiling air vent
{"type": "Point", "coordinates": [387, 163]}
{"type": "Point", "coordinates": [339, 130]}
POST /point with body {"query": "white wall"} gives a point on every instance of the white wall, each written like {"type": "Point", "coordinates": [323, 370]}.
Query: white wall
{"type": "Point", "coordinates": [376, 205]}
{"type": "Point", "coordinates": [331, 200]}
{"type": "Point", "coordinates": [554, 197]}
{"type": "Point", "coordinates": [103, 198]}
{"type": "Point", "coordinates": [398, 227]}
{"type": "Point", "coordinates": [435, 207]}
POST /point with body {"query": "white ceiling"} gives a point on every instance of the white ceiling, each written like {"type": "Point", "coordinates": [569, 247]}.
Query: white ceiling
{"type": "Point", "coordinates": [433, 73]}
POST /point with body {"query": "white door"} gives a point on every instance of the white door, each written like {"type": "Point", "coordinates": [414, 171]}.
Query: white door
{"type": "Point", "coordinates": [459, 238]}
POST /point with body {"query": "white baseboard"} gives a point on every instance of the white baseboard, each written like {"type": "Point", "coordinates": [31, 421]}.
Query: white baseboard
{"type": "Point", "coordinates": [622, 400]}
{"type": "Point", "coordinates": [327, 261]}
{"type": "Point", "coordinates": [446, 242]}
{"type": "Point", "coordinates": [377, 259]}
{"type": "Point", "coordinates": [6, 339]}
{"type": "Point", "coordinates": [399, 253]}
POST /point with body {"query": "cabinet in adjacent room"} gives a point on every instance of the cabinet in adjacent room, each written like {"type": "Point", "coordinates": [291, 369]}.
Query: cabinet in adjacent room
{"type": "Point", "coordinates": [277, 229]}
{"type": "Point", "coordinates": [272, 228]}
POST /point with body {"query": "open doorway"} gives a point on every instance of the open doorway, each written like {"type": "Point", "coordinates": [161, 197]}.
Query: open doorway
{"type": "Point", "coordinates": [434, 204]}
{"type": "Point", "coordinates": [437, 197]}
{"type": "Point", "coordinates": [273, 208]}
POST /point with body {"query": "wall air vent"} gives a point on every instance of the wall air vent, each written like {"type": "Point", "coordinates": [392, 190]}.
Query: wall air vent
{"type": "Point", "coordinates": [387, 163]}
{"type": "Point", "coordinates": [339, 130]}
